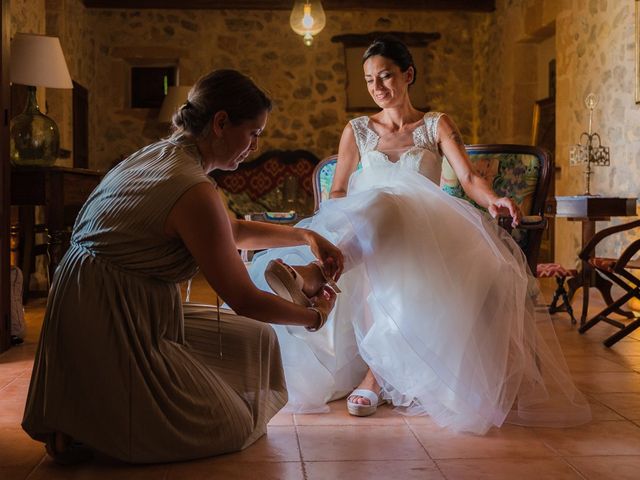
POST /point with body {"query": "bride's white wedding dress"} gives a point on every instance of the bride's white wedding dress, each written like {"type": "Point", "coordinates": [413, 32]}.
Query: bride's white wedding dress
{"type": "Point", "coordinates": [436, 299]}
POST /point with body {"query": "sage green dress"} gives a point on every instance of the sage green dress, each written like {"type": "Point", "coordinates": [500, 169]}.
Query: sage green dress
{"type": "Point", "coordinates": [122, 365]}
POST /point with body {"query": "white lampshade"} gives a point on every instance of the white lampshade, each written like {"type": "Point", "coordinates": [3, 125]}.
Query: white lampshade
{"type": "Point", "coordinates": [175, 97]}
{"type": "Point", "coordinates": [37, 60]}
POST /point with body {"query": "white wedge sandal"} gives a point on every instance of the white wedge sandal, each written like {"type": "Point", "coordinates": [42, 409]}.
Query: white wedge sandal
{"type": "Point", "coordinates": [360, 410]}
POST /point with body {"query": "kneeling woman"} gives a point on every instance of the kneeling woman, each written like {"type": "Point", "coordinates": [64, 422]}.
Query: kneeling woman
{"type": "Point", "coordinates": [122, 367]}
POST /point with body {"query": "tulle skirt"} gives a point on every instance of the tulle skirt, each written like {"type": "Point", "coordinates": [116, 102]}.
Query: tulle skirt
{"type": "Point", "coordinates": [438, 301]}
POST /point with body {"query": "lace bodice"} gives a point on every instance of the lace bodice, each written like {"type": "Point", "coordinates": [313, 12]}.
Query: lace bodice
{"type": "Point", "coordinates": [423, 157]}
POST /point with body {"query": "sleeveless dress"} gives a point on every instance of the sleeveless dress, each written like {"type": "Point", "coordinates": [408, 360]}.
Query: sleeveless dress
{"type": "Point", "coordinates": [122, 366]}
{"type": "Point", "coordinates": [436, 299]}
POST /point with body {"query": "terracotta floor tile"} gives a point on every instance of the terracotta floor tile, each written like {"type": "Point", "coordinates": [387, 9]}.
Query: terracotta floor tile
{"type": "Point", "coordinates": [224, 469]}
{"type": "Point", "coordinates": [583, 348]}
{"type": "Point", "coordinates": [627, 346]}
{"type": "Point", "coordinates": [19, 472]}
{"type": "Point", "coordinates": [510, 441]}
{"type": "Point", "coordinates": [11, 411]}
{"type": "Point", "coordinates": [419, 420]}
{"type": "Point", "coordinates": [367, 470]}
{"type": "Point", "coordinates": [379, 442]}
{"type": "Point", "coordinates": [601, 412]}
{"type": "Point", "coordinates": [16, 389]}
{"type": "Point", "coordinates": [591, 364]}
{"type": "Point", "coordinates": [385, 415]}
{"type": "Point", "coordinates": [100, 469]}
{"type": "Point", "coordinates": [629, 361]}
{"type": "Point", "coordinates": [552, 468]}
{"type": "Point", "coordinates": [608, 382]}
{"type": "Point", "coordinates": [626, 404]}
{"type": "Point", "coordinates": [19, 454]}
{"type": "Point", "coordinates": [595, 438]}
{"type": "Point", "coordinates": [280, 444]}
{"type": "Point", "coordinates": [607, 467]}
{"type": "Point", "coordinates": [12, 369]}
{"type": "Point", "coordinates": [337, 445]}
{"type": "Point", "coordinates": [282, 419]}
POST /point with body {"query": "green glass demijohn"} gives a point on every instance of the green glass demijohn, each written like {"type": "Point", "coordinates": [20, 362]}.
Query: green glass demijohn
{"type": "Point", "coordinates": [34, 136]}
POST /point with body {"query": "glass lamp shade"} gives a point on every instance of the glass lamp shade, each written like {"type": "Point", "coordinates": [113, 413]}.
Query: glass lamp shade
{"type": "Point", "coordinates": [307, 19]}
{"type": "Point", "coordinates": [35, 139]}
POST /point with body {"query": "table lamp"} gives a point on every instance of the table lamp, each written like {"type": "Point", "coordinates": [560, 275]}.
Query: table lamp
{"type": "Point", "coordinates": [36, 61]}
{"type": "Point", "coordinates": [174, 98]}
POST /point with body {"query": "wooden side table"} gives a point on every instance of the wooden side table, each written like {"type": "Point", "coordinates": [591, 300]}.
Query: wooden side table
{"type": "Point", "coordinates": [590, 209]}
{"type": "Point", "coordinates": [62, 191]}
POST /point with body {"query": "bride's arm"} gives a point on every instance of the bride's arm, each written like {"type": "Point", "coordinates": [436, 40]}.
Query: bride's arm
{"type": "Point", "coordinates": [348, 158]}
{"type": "Point", "coordinates": [476, 187]}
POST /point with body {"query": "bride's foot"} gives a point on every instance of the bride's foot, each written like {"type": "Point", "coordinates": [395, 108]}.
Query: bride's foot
{"type": "Point", "coordinates": [312, 278]}
{"type": "Point", "coordinates": [297, 284]}
{"type": "Point", "coordinates": [365, 399]}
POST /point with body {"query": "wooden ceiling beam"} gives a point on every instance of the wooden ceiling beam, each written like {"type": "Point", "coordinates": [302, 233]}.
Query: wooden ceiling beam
{"type": "Point", "coordinates": [464, 5]}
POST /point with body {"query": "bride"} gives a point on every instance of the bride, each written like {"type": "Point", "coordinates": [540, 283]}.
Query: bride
{"type": "Point", "coordinates": [438, 312]}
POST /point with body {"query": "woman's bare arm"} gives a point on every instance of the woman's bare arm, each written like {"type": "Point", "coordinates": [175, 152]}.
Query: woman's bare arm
{"type": "Point", "coordinates": [348, 158]}
{"type": "Point", "coordinates": [476, 187]}
{"type": "Point", "coordinates": [199, 219]}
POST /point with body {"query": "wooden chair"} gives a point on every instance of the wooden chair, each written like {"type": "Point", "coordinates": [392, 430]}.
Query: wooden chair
{"type": "Point", "coordinates": [520, 172]}
{"type": "Point", "coordinates": [622, 271]}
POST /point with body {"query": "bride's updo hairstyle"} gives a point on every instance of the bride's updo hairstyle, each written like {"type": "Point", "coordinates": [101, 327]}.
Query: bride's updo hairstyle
{"type": "Point", "coordinates": [390, 47]}
{"type": "Point", "coordinates": [227, 90]}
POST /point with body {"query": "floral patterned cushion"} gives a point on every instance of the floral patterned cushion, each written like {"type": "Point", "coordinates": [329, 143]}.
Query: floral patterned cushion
{"type": "Point", "coordinates": [278, 180]}
{"type": "Point", "coordinates": [513, 175]}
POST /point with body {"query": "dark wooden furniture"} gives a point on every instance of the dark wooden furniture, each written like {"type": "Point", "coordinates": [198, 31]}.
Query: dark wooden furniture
{"type": "Point", "coordinates": [80, 102]}
{"type": "Point", "coordinates": [62, 191]}
{"type": "Point", "coordinates": [5, 102]}
{"type": "Point", "coordinates": [469, 5]}
{"type": "Point", "coordinates": [619, 271]}
{"type": "Point", "coordinates": [588, 210]}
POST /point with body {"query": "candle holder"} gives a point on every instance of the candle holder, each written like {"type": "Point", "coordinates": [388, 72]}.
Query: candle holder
{"type": "Point", "coordinates": [589, 151]}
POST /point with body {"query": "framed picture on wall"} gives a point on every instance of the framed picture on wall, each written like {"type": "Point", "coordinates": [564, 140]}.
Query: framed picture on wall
{"type": "Point", "coordinates": [358, 98]}
{"type": "Point", "coordinates": [543, 129]}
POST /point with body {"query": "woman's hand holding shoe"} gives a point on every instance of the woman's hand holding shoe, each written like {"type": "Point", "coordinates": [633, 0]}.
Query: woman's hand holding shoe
{"type": "Point", "coordinates": [322, 304]}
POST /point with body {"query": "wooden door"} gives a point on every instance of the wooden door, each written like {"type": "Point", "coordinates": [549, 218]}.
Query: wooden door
{"type": "Point", "coordinates": [5, 99]}
{"type": "Point", "coordinates": [544, 135]}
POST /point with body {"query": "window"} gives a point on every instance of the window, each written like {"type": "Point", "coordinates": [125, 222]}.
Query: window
{"type": "Point", "coordinates": [149, 85]}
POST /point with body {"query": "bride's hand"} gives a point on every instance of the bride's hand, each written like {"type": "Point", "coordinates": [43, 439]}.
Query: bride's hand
{"type": "Point", "coordinates": [504, 205]}
{"type": "Point", "coordinates": [329, 255]}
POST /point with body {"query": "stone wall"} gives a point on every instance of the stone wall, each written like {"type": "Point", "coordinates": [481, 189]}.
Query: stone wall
{"type": "Point", "coordinates": [68, 20]}
{"type": "Point", "coordinates": [307, 83]}
{"type": "Point", "coordinates": [27, 16]}
{"type": "Point", "coordinates": [594, 53]}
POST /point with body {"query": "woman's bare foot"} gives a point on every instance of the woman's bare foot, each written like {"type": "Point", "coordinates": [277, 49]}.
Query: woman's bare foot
{"type": "Point", "coordinates": [65, 451]}
{"type": "Point", "coordinates": [368, 383]}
